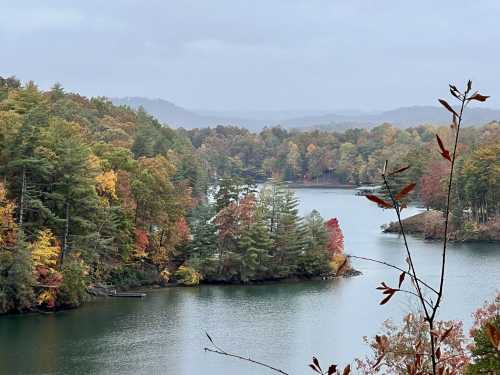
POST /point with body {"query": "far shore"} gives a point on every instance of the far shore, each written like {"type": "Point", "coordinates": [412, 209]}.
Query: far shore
{"type": "Point", "coordinates": [301, 185]}
{"type": "Point", "coordinates": [430, 225]}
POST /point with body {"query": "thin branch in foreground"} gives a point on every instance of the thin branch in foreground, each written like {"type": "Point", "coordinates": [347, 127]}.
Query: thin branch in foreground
{"type": "Point", "coordinates": [220, 351]}
{"type": "Point", "coordinates": [396, 268]}
{"type": "Point", "coordinates": [397, 209]}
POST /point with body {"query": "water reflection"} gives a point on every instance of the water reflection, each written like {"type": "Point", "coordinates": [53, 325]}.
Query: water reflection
{"type": "Point", "coordinates": [280, 323]}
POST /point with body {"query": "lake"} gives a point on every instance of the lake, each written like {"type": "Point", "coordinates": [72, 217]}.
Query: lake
{"type": "Point", "coordinates": [283, 324]}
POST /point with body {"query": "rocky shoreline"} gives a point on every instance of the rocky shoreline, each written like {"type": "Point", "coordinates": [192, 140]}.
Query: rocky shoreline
{"type": "Point", "coordinates": [430, 225]}
{"type": "Point", "coordinates": [104, 290]}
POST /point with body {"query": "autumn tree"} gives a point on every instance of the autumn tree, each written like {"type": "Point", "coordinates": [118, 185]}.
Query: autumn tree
{"type": "Point", "coordinates": [45, 253]}
{"type": "Point", "coordinates": [335, 244]}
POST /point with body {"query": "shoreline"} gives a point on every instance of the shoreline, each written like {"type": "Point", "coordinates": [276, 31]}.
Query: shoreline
{"type": "Point", "coordinates": [298, 185]}
{"type": "Point", "coordinates": [97, 293]}
{"type": "Point", "coordinates": [429, 225]}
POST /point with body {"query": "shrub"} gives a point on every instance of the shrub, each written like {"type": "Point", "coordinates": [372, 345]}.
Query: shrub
{"type": "Point", "coordinates": [188, 276]}
{"type": "Point", "coordinates": [485, 349]}
{"type": "Point", "coordinates": [73, 290]}
{"type": "Point", "coordinates": [337, 262]}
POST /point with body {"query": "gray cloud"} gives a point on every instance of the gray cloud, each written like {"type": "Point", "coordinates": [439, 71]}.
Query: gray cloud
{"type": "Point", "coordinates": [263, 54]}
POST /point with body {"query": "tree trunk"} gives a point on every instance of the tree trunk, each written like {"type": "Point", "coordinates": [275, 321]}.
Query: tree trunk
{"type": "Point", "coordinates": [65, 238]}
{"type": "Point", "coordinates": [23, 193]}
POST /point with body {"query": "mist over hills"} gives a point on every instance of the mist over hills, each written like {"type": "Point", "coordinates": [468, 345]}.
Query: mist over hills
{"type": "Point", "coordinates": [176, 116]}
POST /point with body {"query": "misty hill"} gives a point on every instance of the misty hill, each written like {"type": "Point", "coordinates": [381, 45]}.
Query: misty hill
{"type": "Point", "coordinates": [176, 116]}
{"type": "Point", "coordinates": [402, 117]}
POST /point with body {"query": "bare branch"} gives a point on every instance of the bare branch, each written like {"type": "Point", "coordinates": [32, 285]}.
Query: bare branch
{"type": "Point", "coordinates": [395, 267]}
{"type": "Point", "coordinates": [221, 351]}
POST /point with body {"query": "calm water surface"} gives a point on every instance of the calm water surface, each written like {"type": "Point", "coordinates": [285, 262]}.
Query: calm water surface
{"type": "Point", "coordinates": [284, 324]}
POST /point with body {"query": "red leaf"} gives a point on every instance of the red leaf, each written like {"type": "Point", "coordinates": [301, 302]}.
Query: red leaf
{"type": "Point", "coordinates": [379, 201]}
{"type": "Point", "coordinates": [401, 279]}
{"type": "Point", "coordinates": [444, 152]}
{"type": "Point", "coordinates": [332, 369]}
{"type": "Point", "coordinates": [399, 170]}
{"type": "Point", "coordinates": [316, 362]}
{"type": "Point", "coordinates": [386, 299]}
{"type": "Point", "coordinates": [314, 368]}
{"type": "Point", "coordinates": [445, 104]}
{"type": "Point", "coordinates": [454, 91]}
{"type": "Point", "coordinates": [440, 143]}
{"type": "Point", "coordinates": [347, 370]}
{"type": "Point", "coordinates": [478, 97]}
{"type": "Point", "coordinates": [407, 189]}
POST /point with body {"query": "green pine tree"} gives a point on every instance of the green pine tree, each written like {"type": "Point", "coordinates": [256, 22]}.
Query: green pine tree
{"type": "Point", "coordinates": [17, 287]}
{"type": "Point", "coordinates": [314, 259]}
{"type": "Point", "coordinates": [486, 358]}
{"type": "Point", "coordinates": [255, 246]}
{"type": "Point", "coordinates": [288, 236]}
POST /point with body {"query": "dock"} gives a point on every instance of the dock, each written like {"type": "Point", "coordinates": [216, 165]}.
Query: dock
{"type": "Point", "coordinates": [127, 294]}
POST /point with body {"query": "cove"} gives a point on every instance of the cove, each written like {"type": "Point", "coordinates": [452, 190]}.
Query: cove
{"type": "Point", "coordinates": [283, 323]}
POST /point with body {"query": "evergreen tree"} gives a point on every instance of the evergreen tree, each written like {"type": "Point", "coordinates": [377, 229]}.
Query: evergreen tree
{"type": "Point", "coordinates": [228, 191]}
{"type": "Point", "coordinates": [255, 247]}
{"type": "Point", "coordinates": [17, 282]}
{"type": "Point", "coordinates": [71, 194]}
{"type": "Point", "coordinates": [486, 358]}
{"type": "Point", "coordinates": [288, 237]}
{"type": "Point", "coordinates": [314, 259]}
{"type": "Point", "coordinates": [202, 250]}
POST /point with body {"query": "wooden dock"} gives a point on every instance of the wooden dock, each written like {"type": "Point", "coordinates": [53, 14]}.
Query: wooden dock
{"type": "Point", "coordinates": [127, 294]}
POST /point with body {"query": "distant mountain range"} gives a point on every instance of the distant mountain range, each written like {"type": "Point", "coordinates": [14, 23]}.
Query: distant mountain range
{"type": "Point", "coordinates": [176, 116]}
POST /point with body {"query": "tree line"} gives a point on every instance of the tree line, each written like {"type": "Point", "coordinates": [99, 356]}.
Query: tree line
{"type": "Point", "coordinates": [94, 193]}
{"type": "Point", "coordinates": [355, 157]}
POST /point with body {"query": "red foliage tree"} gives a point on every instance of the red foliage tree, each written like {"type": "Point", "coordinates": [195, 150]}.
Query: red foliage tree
{"type": "Point", "coordinates": [432, 186]}
{"type": "Point", "coordinates": [335, 237]}
{"type": "Point", "coordinates": [141, 242]}
{"type": "Point", "coordinates": [182, 228]}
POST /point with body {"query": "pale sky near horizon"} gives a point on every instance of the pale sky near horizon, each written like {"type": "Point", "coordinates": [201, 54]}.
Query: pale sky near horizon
{"type": "Point", "coordinates": [256, 55]}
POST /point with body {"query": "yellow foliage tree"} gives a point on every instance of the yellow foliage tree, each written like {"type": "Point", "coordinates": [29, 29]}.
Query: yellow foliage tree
{"type": "Point", "coordinates": [45, 254]}
{"type": "Point", "coordinates": [44, 250]}
{"type": "Point", "coordinates": [7, 224]}
{"type": "Point", "coordinates": [106, 184]}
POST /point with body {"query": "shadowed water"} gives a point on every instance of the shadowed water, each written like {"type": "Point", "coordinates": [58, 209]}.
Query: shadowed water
{"type": "Point", "coordinates": [284, 324]}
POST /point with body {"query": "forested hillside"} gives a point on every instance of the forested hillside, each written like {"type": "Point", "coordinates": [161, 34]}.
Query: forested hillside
{"type": "Point", "coordinates": [352, 157]}
{"type": "Point", "coordinates": [92, 193]}
{"type": "Point", "coordinates": [356, 156]}
{"type": "Point", "coordinates": [84, 184]}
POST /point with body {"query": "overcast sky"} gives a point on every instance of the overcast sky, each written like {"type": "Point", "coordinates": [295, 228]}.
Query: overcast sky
{"type": "Point", "coordinates": [256, 55]}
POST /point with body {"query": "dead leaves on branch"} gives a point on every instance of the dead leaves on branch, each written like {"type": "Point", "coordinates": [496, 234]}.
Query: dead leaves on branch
{"type": "Point", "coordinates": [405, 191]}
{"type": "Point", "coordinates": [386, 290]}
{"type": "Point", "coordinates": [444, 152]}
{"type": "Point", "coordinates": [398, 171]}
{"type": "Point", "coordinates": [379, 201]}
{"type": "Point", "coordinates": [457, 117]}
{"type": "Point", "coordinates": [332, 369]}
{"type": "Point", "coordinates": [445, 104]}
{"type": "Point", "coordinates": [397, 198]}
{"type": "Point", "coordinates": [477, 96]}
{"type": "Point", "coordinates": [493, 334]}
